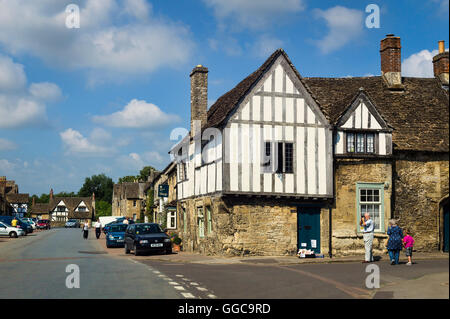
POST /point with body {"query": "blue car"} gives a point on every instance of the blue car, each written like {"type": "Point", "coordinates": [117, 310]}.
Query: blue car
{"type": "Point", "coordinates": [115, 235]}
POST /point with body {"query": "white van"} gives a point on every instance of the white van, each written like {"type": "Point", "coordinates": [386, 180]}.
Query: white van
{"type": "Point", "coordinates": [107, 219]}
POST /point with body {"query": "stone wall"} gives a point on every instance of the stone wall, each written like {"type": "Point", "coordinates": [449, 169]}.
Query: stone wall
{"type": "Point", "coordinates": [346, 239]}
{"type": "Point", "coordinates": [421, 182]}
{"type": "Point", "coordinates": [246, 226]}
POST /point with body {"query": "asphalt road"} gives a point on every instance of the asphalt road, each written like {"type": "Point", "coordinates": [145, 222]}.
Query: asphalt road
{"type": "Point", "coordinates": [35, 267]}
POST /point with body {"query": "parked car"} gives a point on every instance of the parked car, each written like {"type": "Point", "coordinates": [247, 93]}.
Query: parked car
{"type": "Point", "coordinates": [146, 237]}
{"type": "Point", "coordinates": [72, 223]}
{"type": "Point", "coordinates": [26, 227]}
{"type": "Point", "coordinates": [31, 222]}
{"type": "Point", "coordinates": [8, 230]}
{"type": "Point", "coordinates": [43, 224]}
{"type": "Point", "coordinates": [115, 236]}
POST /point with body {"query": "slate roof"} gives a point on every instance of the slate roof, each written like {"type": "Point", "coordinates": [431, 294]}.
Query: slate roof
{"type": "Point", "coordinates": [418, 115]}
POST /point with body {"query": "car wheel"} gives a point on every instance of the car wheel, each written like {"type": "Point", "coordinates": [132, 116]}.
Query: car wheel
{"type": "Point", "coordinates": [127, 251]}
{"type": "Point", "coordinates": [136, 253]}
{"type": "Point", "coordinates": [108, 246]}
{"type": "Point", "coordinates": [13, 234]}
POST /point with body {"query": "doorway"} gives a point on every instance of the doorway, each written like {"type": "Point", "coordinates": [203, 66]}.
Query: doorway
{"type": "Point", "coordinates": [308, 228]}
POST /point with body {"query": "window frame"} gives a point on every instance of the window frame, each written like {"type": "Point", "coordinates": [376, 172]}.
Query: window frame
{"type": "Point", "coordinates": [201, 222]}
{"type": "Point", "coordinates": [354, 134]}
{"type": "Point", "coordinates": [370, 186]}
{"type": "Point", "coordinates": [171, 215]}
{"type": "Point", "coordinates": [208, 220]}
{"type": "Point", "coordinates": [278, 157]}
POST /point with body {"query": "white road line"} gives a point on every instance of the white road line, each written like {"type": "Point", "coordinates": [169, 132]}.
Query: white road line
{"type": "Point", "coordinates": [156, 272]}
{"type": "Point", "coordinates": [194, 283]}
{"type": "Point", "coordinates": [179, 288]}
{"type": "Point", "coordinates": [173, 283]}
{"type": "Point", "coordinates": [201, 289]}
{"type": "Point", "coordinates": [187, 295]}
{"type": "Point", "coordinates": [185, 279]}
{"type": "Point", "coordinates": [179, 275]}
{"type": "Point", "coordinates": [212, 296]}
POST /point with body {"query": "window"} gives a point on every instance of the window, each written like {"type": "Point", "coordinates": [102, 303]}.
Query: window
{"type": "Point", "coordinates": [201, 222]}
{"type": "Point", "coordinates": [209, 220]}
{"type": "Point", "coordinates": [182, 169]}
{"type": "Point", "coordinates": [284, 156]}
{"type": "Point", "coordinates": [134, 203]}
{"type": "Point", "coordinates": [370, 200]}
{"type": "Point", "coordinates": [172, 220]}
{"type": "Point", "coordinates": [61, 208]}
{"type": "Point", "coordinates": [364, 143]}
{"type": "Point", "coordinates": [82, 209]}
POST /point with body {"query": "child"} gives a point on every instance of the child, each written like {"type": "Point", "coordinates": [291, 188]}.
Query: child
{"type": "Point", "coordinates": [408, 242]}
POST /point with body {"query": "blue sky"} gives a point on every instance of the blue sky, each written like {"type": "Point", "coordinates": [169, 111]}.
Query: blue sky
{"type": "Point", "coordinates": [104, 98]}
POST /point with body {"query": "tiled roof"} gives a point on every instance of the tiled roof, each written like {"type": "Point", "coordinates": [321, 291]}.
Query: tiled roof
{"type": "Point", "coordinates": [17, 198]}
{"type": "Point", "coordinates": [418, 114]}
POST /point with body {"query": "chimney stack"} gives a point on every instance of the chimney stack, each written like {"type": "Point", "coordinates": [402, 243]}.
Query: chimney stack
{"type": "Point", "coordinates": [440, 64]}
{"type": "Point", "coordinates": [391, 63]}
{"type": "Point", "coordinates": [199, 98]}
{"type": "Point", "coordinates": [51, 194]}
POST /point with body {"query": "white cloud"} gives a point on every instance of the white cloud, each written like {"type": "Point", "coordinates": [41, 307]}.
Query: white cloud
{"type": "Point", "coordinates": [419, 64]}
{"type": "Point", "coordinates": [136, 161]}
{"type": "Point", "coordinates": [6, 145]}
{"type": "Point", "coordinates": [344, 26]}
{"type": "Point", "coordinates": [19, 105]}
{"type": "Point", "coordinates": [114, 36]}
{"type": "Point", "coordinates": [12, 75]}
{"type": "Point", "coordinates": [76, 144]}
{"type": "Point", "coordinates": [266, 45]}
{"type": "Point", "coordinates": [137, 114]}
{"type": "Point", "coordinates": [45, 91]}
{"type": "Point", "coordinates": [253, 14]}
{"type": "Point", "coordinates": [6, 166]}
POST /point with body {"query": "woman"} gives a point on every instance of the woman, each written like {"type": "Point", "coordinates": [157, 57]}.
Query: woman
{"type": "Point", "coordinates": [85, 230]}
{"type": "Point", "coordinates": [394, 245]}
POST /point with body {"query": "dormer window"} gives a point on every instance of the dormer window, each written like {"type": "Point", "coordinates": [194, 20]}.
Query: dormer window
{"type": "Point", "coordinates": [361, 142]}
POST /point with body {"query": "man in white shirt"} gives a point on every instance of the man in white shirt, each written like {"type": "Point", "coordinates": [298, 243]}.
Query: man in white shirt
{"type": "Point", "coordinates": [368, 237]}
{"type": "Point", "coordinates": [125, 221]}
{"type": "Point", "coordinates": [98, 229]}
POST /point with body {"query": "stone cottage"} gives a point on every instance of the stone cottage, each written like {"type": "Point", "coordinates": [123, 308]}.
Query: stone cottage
{"type": "Point", "coordinates": [165, 208]}
{"type": "Point", "coordinates": [11, 201]}
{"type": "Point", "coordinates": [283, 162]}
{"type": "Point", "coordinates": [129, 199]}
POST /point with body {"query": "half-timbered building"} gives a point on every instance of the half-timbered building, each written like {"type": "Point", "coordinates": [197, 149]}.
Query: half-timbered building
{"type": "Point", "coordinates": [283, 162]}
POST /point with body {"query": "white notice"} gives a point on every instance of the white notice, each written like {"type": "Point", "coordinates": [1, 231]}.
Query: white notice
{"type": "Point", "coordinates": [313, 243]}
{"type": "Point", "coordinates": [303, 244]}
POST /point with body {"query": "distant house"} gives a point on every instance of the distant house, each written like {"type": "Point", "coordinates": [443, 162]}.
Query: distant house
{"type": "Point", "coordinates": [129, 199]}
{"type": "Point", "coordinates": [11, 201]}
{"type": "Point", "coordinates": [165, 207]}
{"type": "Point", "coordinates": [61, 209]}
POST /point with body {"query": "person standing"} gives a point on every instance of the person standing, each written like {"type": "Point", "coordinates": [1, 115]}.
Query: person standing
{"type": "Point", "coordinates": [368, 225]}
{"type": "Point", "coordinates": [14, 222]}
{"type": "Point", "coordinates": [408, 241]}
{"type": "Point", "coordinates": [98, 229]}
{"type": "Point", "coordinates": [125, 221]}
{"type": "Point", "coordinates": [394, 245]}
{"type": "Point", "coordinates": [85, 230]}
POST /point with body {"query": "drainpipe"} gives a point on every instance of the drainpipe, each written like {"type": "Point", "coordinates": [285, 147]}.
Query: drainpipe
{"type": "Point", "coordinates": [330, 241]}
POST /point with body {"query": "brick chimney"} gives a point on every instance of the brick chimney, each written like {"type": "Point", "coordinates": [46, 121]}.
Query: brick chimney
{"type": "Point", "coordinates": [391, 63]}
{"type": "Point", "coordinates": [51, 194]}
{"type": "Point", "coordinates": [440, 64]}
{"type": "Point", "coordinates": [199, 97]}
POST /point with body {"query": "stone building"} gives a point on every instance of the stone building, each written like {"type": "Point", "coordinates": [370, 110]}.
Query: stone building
{"type": "Point", "coordinates": [283, 162]}
{"type": "Point", "coordinates": [165, 208]}
{"type": "Point", "coordinates": [61, 209]}
{"type": "Point", "coordinates": [129, 200]}
{"type": "Point", "coordinates": [11, 201]}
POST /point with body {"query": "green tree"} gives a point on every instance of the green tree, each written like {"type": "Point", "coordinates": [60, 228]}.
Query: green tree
{"type": "Point", "coordinates": [102, 208]}
{"type": "Point", "coordinates": [101, 185]}
{"type": "Point", "coordinates": [128, 179]}
{"type": "Point", "coordinates": [145, 173]}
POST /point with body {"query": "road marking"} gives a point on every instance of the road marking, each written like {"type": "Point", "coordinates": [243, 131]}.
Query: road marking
{"type": "Point", "coordinates": [212, 296]}
{"type": "Point", "coordinates": [185, 279]}
{"type": "Point", "coordinates": [156, 272]}
{"type": "Point", "coordinates": [187, 295]}
{"type": "Point", "coordinates": [201, 289]}
{"type": "Point", "coordinates": [179, 287]}
{"type": "Point", "coordinates": [194, 283]}
{"type": "Point", "coordinates": [173, 283]}
{"type": "Point", "coordinates": [179, 275]}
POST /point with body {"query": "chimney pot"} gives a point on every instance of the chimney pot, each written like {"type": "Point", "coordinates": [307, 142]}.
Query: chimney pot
{"type": "Point", "coordinates": [440, 64]}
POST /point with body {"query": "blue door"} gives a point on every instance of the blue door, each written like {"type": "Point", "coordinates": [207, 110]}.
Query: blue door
{"type": "Point", "coordinates": [308, 228]}
{"type": "Point", "coordinates": [446, 228]}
